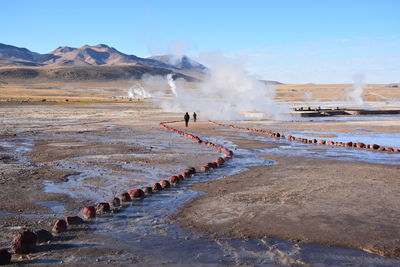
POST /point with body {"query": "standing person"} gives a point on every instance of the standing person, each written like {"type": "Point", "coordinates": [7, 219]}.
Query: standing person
{"type": "Point", "coordinates": [186, 117]}
{"type": "Point", "coordinates": [194, 116]}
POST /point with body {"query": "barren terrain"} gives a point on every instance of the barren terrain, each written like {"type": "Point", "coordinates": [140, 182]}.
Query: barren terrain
{"type": "Point", "coordinates": [58, 156]}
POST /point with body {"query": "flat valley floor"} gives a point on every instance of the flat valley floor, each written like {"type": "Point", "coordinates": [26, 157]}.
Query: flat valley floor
{"type": "Point", "coordinates": [58, 157]}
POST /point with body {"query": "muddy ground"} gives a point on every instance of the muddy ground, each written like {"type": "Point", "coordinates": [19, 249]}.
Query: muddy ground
{"type": "Point", "coordinates": [55, 159]}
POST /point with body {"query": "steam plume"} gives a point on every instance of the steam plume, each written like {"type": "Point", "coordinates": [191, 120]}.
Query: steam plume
{"type": "Point", "coordinates": [355, 95]}
{"type": "Point", "coordinates": [226, 92]}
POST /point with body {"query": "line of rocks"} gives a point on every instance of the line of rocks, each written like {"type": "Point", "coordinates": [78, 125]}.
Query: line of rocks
{"type": "Point", "coordinates": [26, 241]}
{"type": "Point", "coordinates": [372, 147]}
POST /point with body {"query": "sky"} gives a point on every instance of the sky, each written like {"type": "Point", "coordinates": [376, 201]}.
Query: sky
{"type": "Point", "coordinates": [291, 41]}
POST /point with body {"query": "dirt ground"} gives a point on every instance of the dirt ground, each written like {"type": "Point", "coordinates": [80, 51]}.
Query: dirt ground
{"type": "Point", "coordinates": [43, 144]}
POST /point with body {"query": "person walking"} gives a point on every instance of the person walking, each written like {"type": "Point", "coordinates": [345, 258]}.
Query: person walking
{"type": "Point", "coordinates": [186, 118]}
{"type": "Point", "coordinates": [194, 116]}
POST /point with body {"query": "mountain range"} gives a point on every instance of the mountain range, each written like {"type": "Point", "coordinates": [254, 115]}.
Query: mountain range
{"type": "Point", "coordinates": [98, 55]}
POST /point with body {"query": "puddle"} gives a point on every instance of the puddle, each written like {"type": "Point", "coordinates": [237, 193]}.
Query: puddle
{"type": "Point", "coordinates": [293, 148]}
{"type": "Point", "coordinates": [144, 226]}
{"type": "Point", "coordinates": [55, 206]}
{"type": "Point", "coordinates": [392, 139]}
{"type": "Point", "coordinates": [16, 147]}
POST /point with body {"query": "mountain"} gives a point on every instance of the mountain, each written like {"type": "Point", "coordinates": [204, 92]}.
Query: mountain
{"type": "Point", "coordinates": [16, 56]}
{"type": "Point", "coordinates": [82, 73]}
{"type": "Point", "coordinates": [180, 62]}
{"type": "Point", "coordinates": [98, 55]}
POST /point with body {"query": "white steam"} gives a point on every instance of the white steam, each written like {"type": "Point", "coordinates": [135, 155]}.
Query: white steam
{"type": "Point", "coordinates": [138, 92]}
{"type": "Point", "coordinates": [355, 95]}
{"type": "Point", "coordinates": [172, 85]}
{"type": "Point", "coordinates": [226, 92]}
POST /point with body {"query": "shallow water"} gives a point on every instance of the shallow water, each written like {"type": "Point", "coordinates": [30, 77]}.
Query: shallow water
{"type": "Point", "coordinates": [145, 227]}
{"type": "Point", "coordinates": [294, 148]}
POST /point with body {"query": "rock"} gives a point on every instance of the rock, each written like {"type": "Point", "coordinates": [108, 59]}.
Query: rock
{"type": "Point", "coordinates": [191, 170]}
{"type": "Point", "coordinates": [24, 242]}
{"type": "Point", "coordinates": [5, 257]}
{"type": "Point", "coordinates": [125, 197]}
{"type": "Point", "coordinates": [136, 193]}
{"type": "Point", "coordinates": [174, 179]}
{"type": "Point", "coordinates": [60, 226]}
{"type": "Point", "coordinates": [115, 202]}
{"type": "Point", "coordinates": [349, 144]}
{"type": "Point", "coordinates": [322, 142]}
{"type": "Point", "coordinates": [186, 174]}
{"type": "Point", "coordinates": [147, 190]}
{"type": "Point", "coordinates": [43, 236]}
{"type": "Point", "coordinates": [375, 146]}
{"type": "Point", "coordinates": [89, 212]}
{"type": "Point", "coordinates": [360, 145]}
{"type": "Point", "coordinates": [102, 207]}
{"type": "Point", "coordinates": [165, 183]}
{"type": "Point", "coordinates": [156, 187]}
{"type": "Point", "coordinates": [211, 165]}
{"type": "Point", "coordinates": [204, 169]}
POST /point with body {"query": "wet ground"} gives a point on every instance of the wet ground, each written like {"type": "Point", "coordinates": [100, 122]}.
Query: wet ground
{"type": "Point", "coordinates": [55, 160]}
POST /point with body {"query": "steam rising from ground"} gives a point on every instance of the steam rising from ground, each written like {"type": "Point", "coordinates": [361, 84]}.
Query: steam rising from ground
{"type": "Point", "coordinates": [138, 92]}
{"type": "Point", "coordinates": [224, 94]}
{"type": "Point", "coordinates": [355, 95]}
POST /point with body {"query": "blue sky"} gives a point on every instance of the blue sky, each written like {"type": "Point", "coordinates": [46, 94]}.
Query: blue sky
{"type": "Point", "coordinates": [289, 41]}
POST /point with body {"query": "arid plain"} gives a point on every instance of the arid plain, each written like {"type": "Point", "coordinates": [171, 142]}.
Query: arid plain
{"type": "Point", "coordinates": [66, 145]}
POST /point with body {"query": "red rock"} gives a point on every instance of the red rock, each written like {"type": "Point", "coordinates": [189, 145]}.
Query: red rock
{"type": "Point", "coordinates": [349, 144]}
{"type": "Point", "coordinates": [389, 149]}
{"type": "Point", "coordinates": [89, 212]}
{"type": "Point", "coordinates": [181, 178]}
{"type": "Point", "coordinates": [211, 165]}
{"type": "Point", "coordinates": [381, 148]}
{"type": "Point", "coordinates": [174, 179]}
{"type": "Point", "coordinates": [24, 242]}
{"type": "Point", "coordinates": [330, 143]}
{"type": "Point", "coordinates": [322, 142]}
{"type": "Point", "coordinates": [60, 226]}
{"type": "Point", "coordinates": [5, 257]}
{"type": "Point", "coordinates": [204, 169]}
{"type": "Point", "coordinates": [374, 146]}
{"type": "Point", "coordinates": [156, 187]}
{"type": "Point", "coordinates": [147, 190]}
{"type": "Point", "coordinates": [192, 170]}
{"type": "Point", "coordinates": [396, 150]}
{"type": "Point", "coordinates": [136, 193]}
{"type": "Point", "coordinates": [73, 220]}
{"type": "Point", "coordinates": [102, 207]}
{"type": "Point", "coordinates": [165, 183]}
{"type": "Point", "coordinates": [220, 161]}
{"type": "Point", "coordinates": [115, 202]}
{"type": "Point", "coordinates": [125, 197]}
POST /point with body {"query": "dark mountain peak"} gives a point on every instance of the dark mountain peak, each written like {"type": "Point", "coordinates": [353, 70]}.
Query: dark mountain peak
{"type": "Point", "coordinates": [102, 46]}
{"type": "Point", "coordinates": [63, 49]}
